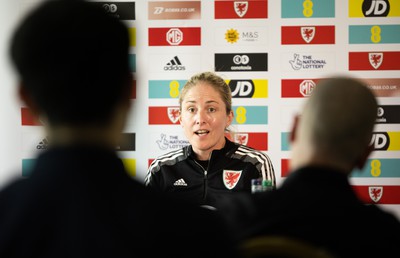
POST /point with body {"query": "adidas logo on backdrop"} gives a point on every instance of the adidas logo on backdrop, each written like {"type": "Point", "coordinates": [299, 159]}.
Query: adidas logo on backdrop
{"type": "Point", "coordinates": [174, 64]}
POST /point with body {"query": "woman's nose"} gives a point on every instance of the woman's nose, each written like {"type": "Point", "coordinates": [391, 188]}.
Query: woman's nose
{"type": "Point", "coordinates": [201, 117]}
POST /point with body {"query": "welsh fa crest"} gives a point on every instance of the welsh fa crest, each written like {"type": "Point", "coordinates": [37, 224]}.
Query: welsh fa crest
{"type": "Point", "coordinates": [375, 59]}
{"type": "Point", "coordinates": [173, 114]}
{"type": "Point", "coordinates": [375, 193]}
{"type": "Point", "coordinates": [241, 138]}
{"type": "Point", "coordinates": [307, 33]}
{"type": "Point", "coordinates": [241, 7]}
{"type": "Point", "coordinates": [231, 178]}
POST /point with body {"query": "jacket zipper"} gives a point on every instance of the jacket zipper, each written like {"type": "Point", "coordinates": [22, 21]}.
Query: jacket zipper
{"type": "Point", "coordinates": [205, 171]}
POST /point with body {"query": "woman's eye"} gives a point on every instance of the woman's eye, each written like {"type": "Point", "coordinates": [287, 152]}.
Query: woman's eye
{"type": "Point", "coordinates": [191, 110]}
{"type": "Point", "coordinates": [211, 109]}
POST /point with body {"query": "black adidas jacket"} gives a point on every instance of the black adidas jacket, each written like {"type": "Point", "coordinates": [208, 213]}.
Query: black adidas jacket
{"type": "Point", "coordinates": [230, 170]}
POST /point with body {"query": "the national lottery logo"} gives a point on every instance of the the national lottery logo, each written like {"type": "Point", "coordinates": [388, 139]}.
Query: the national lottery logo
{"type": "Point", "coordinates": [307, 62]}
{"type": "Point", "coordinates": [171, 142]}
{"type": "Point", "coordinates": [308, 33]}
{"type": "Point", "coordinates": [173, 114]}
{"type": "Point", "coordinates": [375, 59]}
{"type": "Point", "coordinates": [241, 7]}
{"type": "Point", "coordinates": [375, 193]}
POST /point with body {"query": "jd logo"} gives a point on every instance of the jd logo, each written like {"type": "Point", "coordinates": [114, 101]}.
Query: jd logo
{"type": "Point", "coordinates": [242, 88]}
{"type": "Point", "coordinates": [380, 141]}
{"type": "Point", "coordinates": [376, 8]}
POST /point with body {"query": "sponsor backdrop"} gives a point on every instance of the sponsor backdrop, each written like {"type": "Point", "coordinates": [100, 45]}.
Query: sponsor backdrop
{"type": "Point", "coordinates": [271, 53]}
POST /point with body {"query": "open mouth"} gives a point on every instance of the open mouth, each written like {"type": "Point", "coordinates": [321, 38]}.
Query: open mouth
{"type": "Point", "coordinates": [201, 132]}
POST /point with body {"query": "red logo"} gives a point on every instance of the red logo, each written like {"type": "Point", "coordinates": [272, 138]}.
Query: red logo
{"type": "Point", "coordinates": [241, 8]}
{"type": "Point", "coordinates": [298, 88]}
{"type": "Point", "coordinates": [251, 9]}
{"type": "Point", "coordinates": [374, 194]}
{"type": "Point", "coordinates": [163, 115]}
{"type": "Point", "coordinates": [284, 167]}
{"type": "Point", "coordinates": [375, 59]}
{"type": "Point", "coordinates": [189, 36]}
{"type": "Point", "coordinates": [307, 33]}
{"type": "Point", "coordinates": [258, 141]}
{"type": "Point", "coordinates": [27, 118]}
{"type": "Point", "coordinates": [231, 178]}
{"type": "Point", "coordinates": [296, 35]}
{"type": "Point", "coordinates": [385, 60]}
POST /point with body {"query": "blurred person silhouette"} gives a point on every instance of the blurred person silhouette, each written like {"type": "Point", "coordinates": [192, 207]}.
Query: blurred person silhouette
{"type": "Point", "coordinates": [72, 60]}
{"type": "Point", "coordinates": [316, 202]}
{"type": "Point", "coordinates": [212, 167]}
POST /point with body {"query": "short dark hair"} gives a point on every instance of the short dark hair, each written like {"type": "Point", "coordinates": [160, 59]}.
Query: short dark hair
{"type": "Point", "coordinates": [73, 59]}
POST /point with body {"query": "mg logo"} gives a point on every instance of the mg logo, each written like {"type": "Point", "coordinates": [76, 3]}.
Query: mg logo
{"type": "Point", "coordinates": [174, 36]}
{"type": "Point", "coordinates": [306, 87]}
{"type": "Point", "coordinates": [243, 59]}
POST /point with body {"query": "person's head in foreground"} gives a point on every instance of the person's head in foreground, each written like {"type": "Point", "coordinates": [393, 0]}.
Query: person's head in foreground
{"type": "Point", "coordinates": [335, 126]}
{"type": "Point", "coordinates": [72, 64]}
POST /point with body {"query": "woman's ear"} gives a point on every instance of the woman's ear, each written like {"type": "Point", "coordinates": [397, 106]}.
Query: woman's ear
{"type": "Point", "coordinates": [230, 119]}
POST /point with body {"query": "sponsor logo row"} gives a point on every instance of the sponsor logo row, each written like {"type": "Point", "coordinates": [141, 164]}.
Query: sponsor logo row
{"type": "Point", "coordinates": [380, 141]}
{"type": "Point", "coordinates": [290, 62]}
{"type": "Point", "coordinates": [374, 168]}
{"type": "Point", "coordinates": [290, 35]}
{"type": "Point", "coordinates": [243, 115]}
{"type": "Point", "coordinates": [258, 88]}
{"type": "Point", "coordinates": [163, 142]}
{"type": "Point", "coordinates": [252, 9]}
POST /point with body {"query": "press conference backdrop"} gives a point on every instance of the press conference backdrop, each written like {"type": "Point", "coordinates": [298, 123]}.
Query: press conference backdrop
{"type": "Point", "coordinates": [271, 53]}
